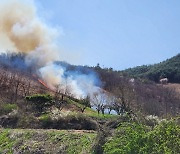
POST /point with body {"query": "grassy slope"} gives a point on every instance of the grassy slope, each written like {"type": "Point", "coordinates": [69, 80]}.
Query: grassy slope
{"type": "Point", "coordinates": [52, 141]}
{"type": "Point", "coordinates": [46, 141]}
{"type": "Point", "coordinates": [91, 113]}
{"type": "Point", "coordinates": [174, 86]}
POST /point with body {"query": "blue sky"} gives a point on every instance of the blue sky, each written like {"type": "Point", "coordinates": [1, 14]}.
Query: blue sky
{"type": "Point", "coordinates": [115, 33]}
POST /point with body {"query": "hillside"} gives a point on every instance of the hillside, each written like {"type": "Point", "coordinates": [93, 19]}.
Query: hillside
{"type": "Point", "coordinates": [19, 82]}
{"type": "Point", "coordinates": [37, 119]}
{"type": "Point", "coordinates": [169, 68]}
{"type": "Point", "coordinates": [50, 106]}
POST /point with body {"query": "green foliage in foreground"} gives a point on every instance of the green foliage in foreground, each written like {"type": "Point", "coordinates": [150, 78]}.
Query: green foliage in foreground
{"type": "Point", "coordinates": [75, 143]}
{"type": "Point", "coordinates": [45, 141]}
{"type": "Point", "coordinates": [131, 138]}
{"type": "Point", "coordinates": [5, 142]}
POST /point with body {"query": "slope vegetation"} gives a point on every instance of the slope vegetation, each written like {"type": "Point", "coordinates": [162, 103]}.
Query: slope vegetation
{"type": "Point", "coordinates": [169, 68]}
{"type": "Point", "coordinates": [46, 141]}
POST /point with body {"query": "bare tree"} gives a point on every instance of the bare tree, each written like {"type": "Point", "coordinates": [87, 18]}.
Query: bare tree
{"type": "Point", "coordinates": [110, 99]}
{"type": "Point", "coordinates": [124, 96]}
{"type": "Point", "coordinates": [59, 97]}
{"type": "Point", "coordinates": [99, 101]}
{"type": "Point", "coordinates": [84, 103]}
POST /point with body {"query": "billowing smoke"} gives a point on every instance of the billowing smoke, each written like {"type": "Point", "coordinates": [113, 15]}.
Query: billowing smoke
{"type": "Point", "coordinates": [21, 30]}
{"type": "Point", "coordinates": [73, 82]}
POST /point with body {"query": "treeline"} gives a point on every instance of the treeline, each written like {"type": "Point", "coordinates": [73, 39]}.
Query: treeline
{"type": "Point", "coordinates": [138, 94]}
{"type": "Point", "coordinates": [169, 68]}
{"type": "Point", "coordinates": [16, 78]}
{"type": "Point", "coordinates": [136, 91]}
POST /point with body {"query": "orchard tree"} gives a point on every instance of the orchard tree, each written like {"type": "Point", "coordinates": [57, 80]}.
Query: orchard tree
{"type": "Point", "coordinates": [99, 101]}
{"type": "Point", "coordinates": [84, 103]}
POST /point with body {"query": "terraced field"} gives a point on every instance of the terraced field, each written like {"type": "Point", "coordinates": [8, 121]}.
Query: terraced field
{"type": "Point", "coordinates": [46, 141]}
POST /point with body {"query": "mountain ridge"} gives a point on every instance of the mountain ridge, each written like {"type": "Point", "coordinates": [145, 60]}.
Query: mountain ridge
{"type": "Point", "coordinates": [169, 68]}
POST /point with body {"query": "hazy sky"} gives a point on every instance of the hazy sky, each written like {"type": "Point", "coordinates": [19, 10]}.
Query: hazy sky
{"type": "Point", "coordinates": [115, 33]}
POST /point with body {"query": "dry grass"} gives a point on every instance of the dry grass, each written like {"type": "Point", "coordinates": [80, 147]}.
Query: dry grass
{"type": "Point", "coordinates": [174, 86]}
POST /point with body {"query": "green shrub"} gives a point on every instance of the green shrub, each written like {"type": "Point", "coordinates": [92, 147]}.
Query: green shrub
{"type": "Point", "coordinates": [38, 97]}
{"type": "Point", "coordinates": [128, 139]}
{"type": "Point", "coordinates": [40, 101]}
{"type": "Point", "coordinates": [6, 143]}
{"type": "Point", "coordinates": [7, 108]}
{"type": "Point", "coordinates": [46, 120]}
{"type": "Point", "coordinates": [75, 121]}
{"type": "Point", "coordinates": [27, 121]}
{"type": "Point", "coordinates": [165, 138]}
{"type": "Point", "coordinates": [135, 138]}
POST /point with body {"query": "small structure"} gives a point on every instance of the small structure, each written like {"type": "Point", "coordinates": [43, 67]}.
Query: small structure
{"type": "Point", "coordinates": [132, 80]}
{"type": "Point", "coordinates": [164, 80]}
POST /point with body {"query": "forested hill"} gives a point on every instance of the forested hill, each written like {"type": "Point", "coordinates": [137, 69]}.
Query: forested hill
{"type": "Point", "coordinates": [169, 68]}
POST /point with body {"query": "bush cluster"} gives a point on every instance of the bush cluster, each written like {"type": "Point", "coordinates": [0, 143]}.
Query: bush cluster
{"type": "Point", "coordinates": [136, 138]}
{"type": "Point", "coordinates": [7, 108]}
{"type": "Point", "coordinates": [40, 101]}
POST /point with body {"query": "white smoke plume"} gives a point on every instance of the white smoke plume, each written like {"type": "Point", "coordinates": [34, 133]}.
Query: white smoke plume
{"type": "Point", "coordinates": [21, 30]}
{"type": "Point", "coordinates": [76, 83]}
